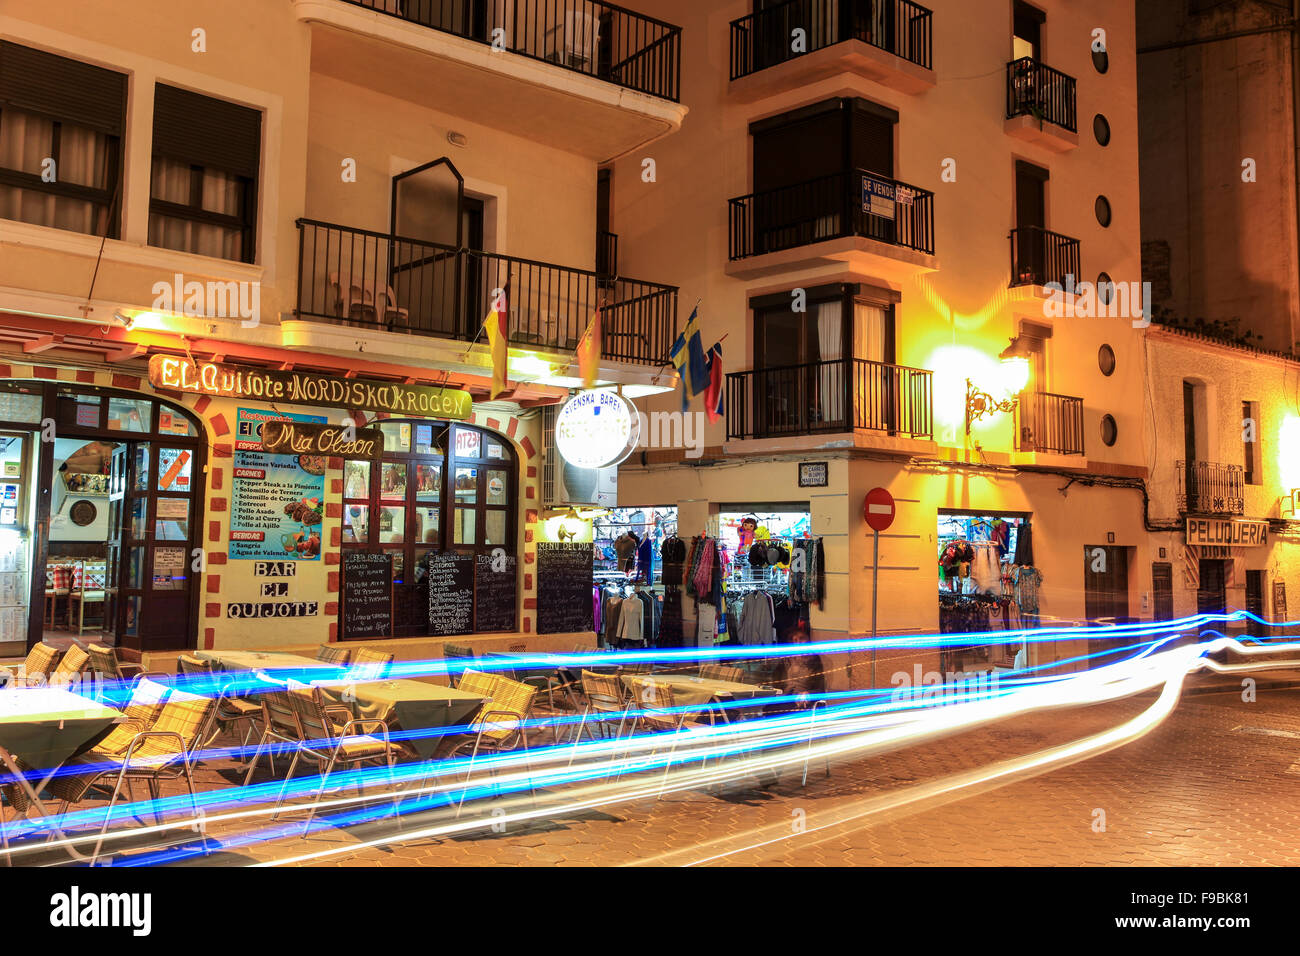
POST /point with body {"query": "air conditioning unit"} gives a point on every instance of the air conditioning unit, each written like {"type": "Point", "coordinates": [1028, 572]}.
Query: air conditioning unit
{"type": "Point", "coordinates": [564, 485]}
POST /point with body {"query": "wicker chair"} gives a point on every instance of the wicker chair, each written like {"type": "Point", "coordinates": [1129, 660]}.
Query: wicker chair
{"type": "Point", "coordinates": [105, 663]}
{"type": "Point", "coordinates": [328, 735]}
{"type": "Point", "coordinates": [655, 709]}
{"type": "Point", "coordinates": [69, 670]}
{"type": "Point", "coordinates": [164, 751]}
{"type": "Point", "coordinates": [718, 672]}
{"type": "Point", "coordinates": [232, 711]}
{"type": "Point", "coordinates": [500, 725]}
{"type": "Point", "coordinates": [605, 695]}
{"type": "Point", "coordinates": [369, 665]}
{"type": "Point", "coordinates": [456, 652]}
{"type": "Point", "coordinates": [35, 669]}
{"type": "Point", "coordinates": [280, 730]}
{"type": "Point", "coordinates": [333, 654]}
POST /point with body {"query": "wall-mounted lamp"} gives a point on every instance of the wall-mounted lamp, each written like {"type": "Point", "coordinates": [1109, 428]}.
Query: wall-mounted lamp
{"type": "Point", "coordinates": [126, 320]}
{"type": "Point", "coordinates": [1015, 365]}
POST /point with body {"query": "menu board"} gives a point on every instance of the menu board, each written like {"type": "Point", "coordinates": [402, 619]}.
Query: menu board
{"type": "Point", "coordinates": [367, 594]}
{"type": "Point", "coordinates": [495, 592]}
{"type": "Point", "coordinates": [564, 575]}
{"type": "Point", "coordinates": [451, 594]}
{"type": "Point", "coordinates": [276, 501]}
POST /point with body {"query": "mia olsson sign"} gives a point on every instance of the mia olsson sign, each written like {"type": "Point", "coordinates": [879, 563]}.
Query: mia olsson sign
{"type": "Point", "coordinates": [307, 388]}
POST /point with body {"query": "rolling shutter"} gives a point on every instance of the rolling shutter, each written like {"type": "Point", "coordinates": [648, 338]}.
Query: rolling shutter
{"type": "Point", "coordinates": [63, 89]}
{"type": "Point", "coordinates": [202, 131]}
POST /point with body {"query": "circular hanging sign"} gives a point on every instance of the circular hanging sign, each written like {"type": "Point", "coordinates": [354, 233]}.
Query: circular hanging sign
{"type": "Point", "coordinates": [596, 429]}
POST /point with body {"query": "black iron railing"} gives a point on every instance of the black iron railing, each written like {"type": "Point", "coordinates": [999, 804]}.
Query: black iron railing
{"type": "Point", "coordinates": [838, 395]}
{"type": "Point", "coordinates": [1040, 256]}
{"type": "Point", "coordinates": [768, 37]}
{"type": "Point", "coordinates": [1211, 488]}
{"type": "Point", "coordinates": [608, 42]}
{"type": "Point", "coordinates": [856, 203]}
{"type": "Point", "coordinates": [1049, 423]}
{"type": "Point", "coordinates": [391, 283]}
{"type": "Point", "coordinates": [1035, 89]}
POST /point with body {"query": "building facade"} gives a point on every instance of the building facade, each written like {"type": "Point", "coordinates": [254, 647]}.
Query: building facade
{"type": "Point", "coordinates": [873, 203]}
{"type": "Point", "coordinates": [213, 218]}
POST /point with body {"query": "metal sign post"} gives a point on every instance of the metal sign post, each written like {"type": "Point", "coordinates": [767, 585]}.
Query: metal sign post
{"type": "Point", "coordinates": [878, 510]}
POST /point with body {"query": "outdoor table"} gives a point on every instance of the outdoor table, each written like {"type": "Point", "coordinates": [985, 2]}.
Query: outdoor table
{"type": "Point", "coordinates": [700, 692]}
{"type": "Point", "coordinates": [43, 727]}
{"type": "Point", "coordinates": [411, 705]}
{"type": "Point", "coordinates": [261, 660]}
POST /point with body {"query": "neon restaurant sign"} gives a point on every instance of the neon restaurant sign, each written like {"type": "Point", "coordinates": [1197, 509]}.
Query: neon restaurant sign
{"type": "Point", "coordinates": [336, 441]}
{"type": "Point", "coordinates": [307, 388]}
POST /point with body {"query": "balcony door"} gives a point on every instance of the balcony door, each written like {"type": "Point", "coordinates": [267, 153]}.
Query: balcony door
{"type": "Point", "coordinates": [805, 173]}
{"type": "Point", "coordinates": [425, 274]}
{"type": "Point", "coordinates": [1031, 221]}
{"type": "Point", "coordinates": [1027, 31]}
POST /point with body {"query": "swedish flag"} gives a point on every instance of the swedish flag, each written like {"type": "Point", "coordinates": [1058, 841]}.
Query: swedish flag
{"type": "Point", "coordinates": [687, 356]}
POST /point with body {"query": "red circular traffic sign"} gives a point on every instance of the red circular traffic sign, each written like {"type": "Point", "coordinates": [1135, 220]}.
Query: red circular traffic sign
{"type": "Point", "coordinates": [878, 509]}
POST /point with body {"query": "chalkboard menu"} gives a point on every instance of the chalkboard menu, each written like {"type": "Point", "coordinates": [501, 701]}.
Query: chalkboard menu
{"type": "Point", "coordinates": [367, 594]}
{"type": "Point", "coordinates": [451, 594]}
{"type": "Point", "coordinates": [564, 588]}
{"type": "Point", "coordinates": [494, 593]}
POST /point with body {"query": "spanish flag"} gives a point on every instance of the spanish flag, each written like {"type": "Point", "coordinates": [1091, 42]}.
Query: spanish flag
{"type": "Point", "coordinates": [499, 344]}
{"type": "Point", "coordinates": [589, 352]}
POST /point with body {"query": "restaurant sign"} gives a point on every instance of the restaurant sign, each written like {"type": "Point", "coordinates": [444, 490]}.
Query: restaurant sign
{"type": "Point", "coordinates": [1227, 532]}
{"type": "Point", "coordinates": [337, 441]}
{"type": "Point", "coordinates": [307, 388]}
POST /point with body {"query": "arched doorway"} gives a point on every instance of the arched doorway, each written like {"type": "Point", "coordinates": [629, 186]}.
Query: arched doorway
{"type": "Point", "coordinates": [107, 491]}
{"type": "Point", "coordinates": [439, 487]}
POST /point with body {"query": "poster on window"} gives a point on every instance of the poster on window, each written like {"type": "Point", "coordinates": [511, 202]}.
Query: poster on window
{"type": "Point", "coordinates": [277, 501]}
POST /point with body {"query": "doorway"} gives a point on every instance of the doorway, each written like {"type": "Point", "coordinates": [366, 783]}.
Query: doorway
{"type": "Point", "coordinates": [1162, 590]}
{"type": "Point", "coordinates": [115, 518]}
{"type": "Point", "coordinates": [1105, 593]}
{"type": "Point", "coordinates": [1255, 602]}
{"type": "Point", "coordinates": [1212, 592]}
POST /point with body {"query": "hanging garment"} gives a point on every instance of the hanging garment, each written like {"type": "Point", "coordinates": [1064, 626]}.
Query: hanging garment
{"type": "Point", "coordinates": [757, 619]}
{"type": "Point", "coordinates": [985, 570]}
{"type": "Point", "coordinates": [787, 619]}
{"type": "Point", "coordinates": [613, 606]}
{"type": "Point", "coordinates": [625, 547]}
{"type": "Point", "coordinates": [706, 625]}
{"type": "Point", "coordinates": [1025, 546]}
{"type": "Point", "coordinates": [1028, 581]}
{"type": "Point", "coordinates": [703, 576]}
{"type": "Point", "coordinates": [1001, 535]}
{"type": "Point", "coordinates": [673, 553]}
{"type": "Point", "coordinates": [631, 620]}
{"type": "Point", "coordinates": [670, 626]}
{"type": "Point", "coordinates": [644, 569]}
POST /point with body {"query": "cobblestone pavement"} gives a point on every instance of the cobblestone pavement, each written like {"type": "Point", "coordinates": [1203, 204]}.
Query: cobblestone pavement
{"type": "Point", "coordinates": [1214, 785]}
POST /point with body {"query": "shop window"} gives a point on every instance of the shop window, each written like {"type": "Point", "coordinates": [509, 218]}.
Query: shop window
{"type": "Point", "coordinates": [420, 500]}
{"type": "Point", "coordinates": [203, 192]}
{"type": "Point", "coordinates": [987, 581]}
{"type": "Point", "coordinates": [21, 403]}
{"type": "Point", "coordinates": [129, 414]}
{"type": "Point", "coordinates": [61, 128]}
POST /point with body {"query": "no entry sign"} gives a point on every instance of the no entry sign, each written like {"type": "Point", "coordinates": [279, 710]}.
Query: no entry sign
{"type": "Point", "coordinates": [878, 509]}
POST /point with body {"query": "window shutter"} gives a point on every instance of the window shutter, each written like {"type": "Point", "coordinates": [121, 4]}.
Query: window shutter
{"type": "Point", "coordinates": [63, 89]}
{"type": "Point", "coordinates": [202, 131]}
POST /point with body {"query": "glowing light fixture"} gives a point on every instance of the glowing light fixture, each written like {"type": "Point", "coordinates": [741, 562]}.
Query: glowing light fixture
{"type": "Point", "coordinates": [1015, 376]}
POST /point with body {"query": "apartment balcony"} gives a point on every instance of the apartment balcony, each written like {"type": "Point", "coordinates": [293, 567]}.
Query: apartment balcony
{"type": "Point", "coordinates": [1211, 488]}
{"type": "Point", "coordinates": [882, 227]}
{"type": "Point", "coordinates": [884, 406]}
{"type": "Point", "coordinates": [1048, 424]}
{"type": "Point", "coordinates": [588, 77]}
{"type": "Point", "coordinates": [1040, 257]}
{"type": "Point", "coordinates": [357, 279]}
{"type": "Point", "coordinates": [1041, 105]}
{"type": "Point", "coordinates": [887, 42]}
